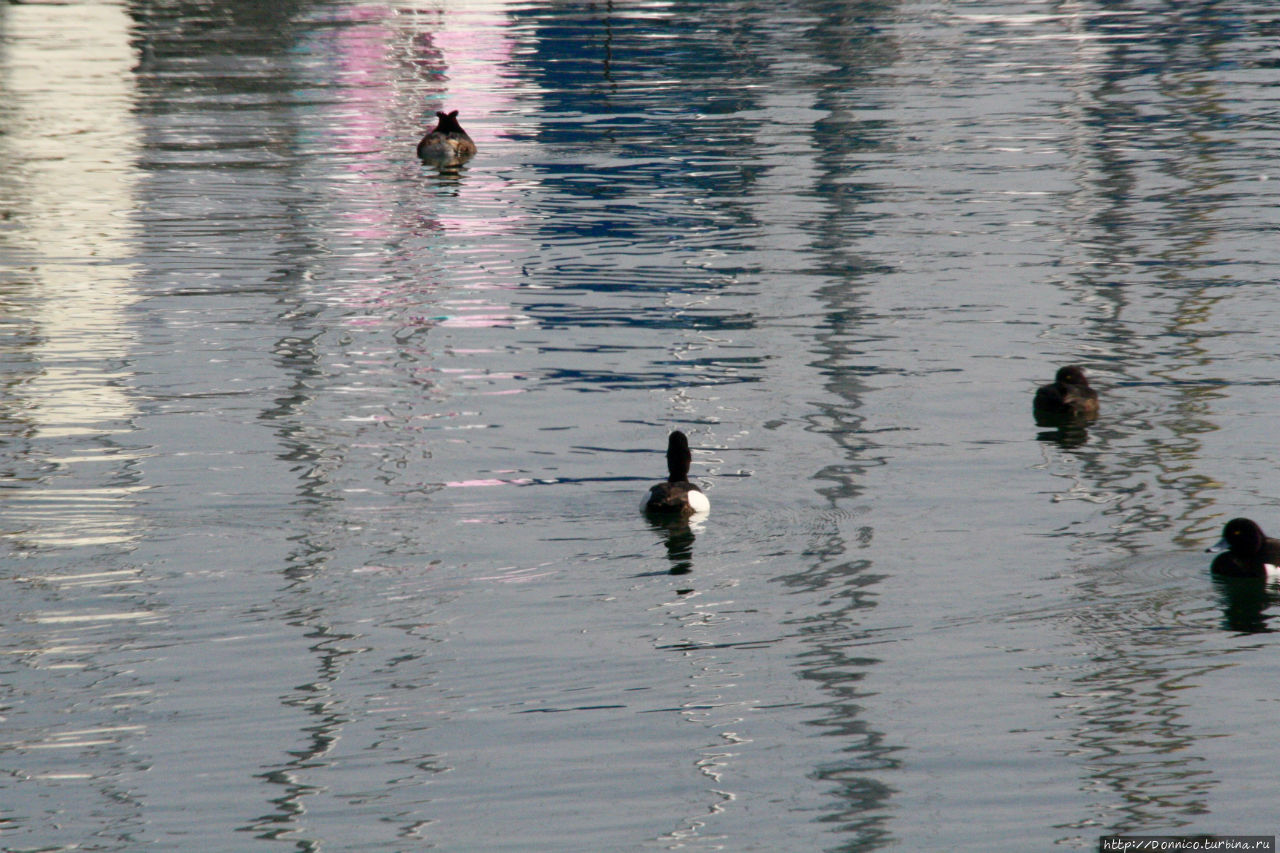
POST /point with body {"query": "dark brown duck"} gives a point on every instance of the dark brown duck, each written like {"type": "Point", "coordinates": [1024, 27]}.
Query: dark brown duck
{"type": "Point", "coordinates": [1067, 398]}
{"type": "Point", "coordinates": [447, 144]}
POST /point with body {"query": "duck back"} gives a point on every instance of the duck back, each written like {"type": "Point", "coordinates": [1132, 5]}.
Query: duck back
{"type": "Point", "coordinates": [447, 144]}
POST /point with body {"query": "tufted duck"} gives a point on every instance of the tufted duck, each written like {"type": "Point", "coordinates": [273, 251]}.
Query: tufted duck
{"type": "Point", "coordinates": [447, 144]}
{"type": "Point", "coordinates": [677, 496]}
{"type": "Point", "coordinates": [1249, 554]}
{"type": "Point", "coordinates": [1068, 397]}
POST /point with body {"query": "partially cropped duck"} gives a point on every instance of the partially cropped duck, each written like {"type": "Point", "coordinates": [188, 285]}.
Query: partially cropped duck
{"type": "Point", "coordinates": [447, 144]}
{"type": "Point", "coordinates": [677, 496]}
{"type": "Point", "coordinates": [1249, 554]}
{"type": "Point", "coordinates": [1067, 398]}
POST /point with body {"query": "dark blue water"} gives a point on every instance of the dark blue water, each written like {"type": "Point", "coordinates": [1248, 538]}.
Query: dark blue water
{"type": "Point", "coordinates": [320, 466]}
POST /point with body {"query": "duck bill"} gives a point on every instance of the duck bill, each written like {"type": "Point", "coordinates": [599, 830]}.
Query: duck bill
{"type": "Point", "coordinates": [1221, 545]}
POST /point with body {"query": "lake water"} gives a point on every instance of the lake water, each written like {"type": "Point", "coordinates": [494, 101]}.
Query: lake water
{"type": "Point", "coordinates": [321, 467]}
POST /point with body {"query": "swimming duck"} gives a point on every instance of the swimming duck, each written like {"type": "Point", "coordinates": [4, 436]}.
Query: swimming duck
{"type": "Point", "coordinates": [677, 496]}
{"type": "Point", "coordinates": [1249, 554]}
{"type": "Point", "coordinates": [447, 144]}
{"type": "Point", "coordinates": [1068, 397]}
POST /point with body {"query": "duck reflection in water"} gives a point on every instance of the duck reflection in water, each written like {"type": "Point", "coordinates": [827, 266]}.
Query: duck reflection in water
{"type": "Point", "coordinates": [677, 507]}
{"type": "Point", "coordinates": [1066, 437]}
{"type": "Point", "coordinates": [678, 534]}
{"type": "Point", "coordinates": [1245, 602]}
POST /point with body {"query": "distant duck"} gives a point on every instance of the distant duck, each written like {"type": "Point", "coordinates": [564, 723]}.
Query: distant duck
{"type": "Point", "coordinates": [1249, 554]}
{"type": "Point", "coordinates": [677, 496]}
{"type": "Point", "coordinates": [447, 144]}
{"type": "Point", "coordinates": [1068, 397]}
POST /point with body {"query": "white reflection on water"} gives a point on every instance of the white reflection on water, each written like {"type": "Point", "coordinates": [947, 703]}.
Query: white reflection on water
{"type": "Point", "coordinates": [69, 91]}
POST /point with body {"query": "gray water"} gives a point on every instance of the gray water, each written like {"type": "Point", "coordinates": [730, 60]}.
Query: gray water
{"type": "Point", "coordinates": [321, 467]}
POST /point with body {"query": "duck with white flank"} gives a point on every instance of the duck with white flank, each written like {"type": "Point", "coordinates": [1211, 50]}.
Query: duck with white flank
{"type": "Point", "coordinates": [677, 496]}
{"type": "Point", "coordinates": [1249, 553]}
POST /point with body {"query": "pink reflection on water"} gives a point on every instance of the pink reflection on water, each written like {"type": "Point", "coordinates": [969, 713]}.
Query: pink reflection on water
{"type": "Point", "coordinates": [391, 67]}
{"type": "Point", "coordinates": [491, 320]}
{"type": "Point", "coordinates": [517, 575]}
{"type": "Point", "coordinates": [398, 226]}
{"type": "Point", "coordinates": [372, 569]}
{"type": "Point", "coordinates": [362, 65]}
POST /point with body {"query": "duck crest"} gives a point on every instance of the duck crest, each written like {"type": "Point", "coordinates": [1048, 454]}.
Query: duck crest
{"type": "Point", "coordinates": [447, 122]}
{"type": "Point", "coordinates": [447, 145]}
{"type": "Point", "coordinates": [679, 458]}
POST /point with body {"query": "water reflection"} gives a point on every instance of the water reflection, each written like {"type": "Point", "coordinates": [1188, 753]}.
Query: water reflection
{"type": "Point", "coordinates": [1245, 602]}
{"type": "Point", "coordinates": [1150, 292]}
{"type": "Point", "coordinates": [67, 285]}
{"type": "Point", "coordinates": [78, 620]}
{"type": "Point", "coordinates": [1066, 437]}
{"type": "Point", "coordinates": [1116, 187]}
{"type": "Point", "coordinates": [678, 536]}
{"type": "Point", "coordinates": [1135, 742]}
{"type": "Point", "coordinates": [394, 287]}
{"type": "Point", "coordinates": [847, 129]}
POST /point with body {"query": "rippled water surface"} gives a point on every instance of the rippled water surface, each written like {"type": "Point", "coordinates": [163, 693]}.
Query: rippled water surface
{"type": "Point", "coordinates": [320, 466]}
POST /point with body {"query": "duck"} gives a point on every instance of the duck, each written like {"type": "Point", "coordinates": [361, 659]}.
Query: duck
{"type": "Point", "coordinates": [1249, 553]}
{"type": "Point", "coordinates": [1068, 397]}
{"type": "Point", "coordinates": [447, 144]}
{"type": "Point", "coordinates": [677, 496]}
